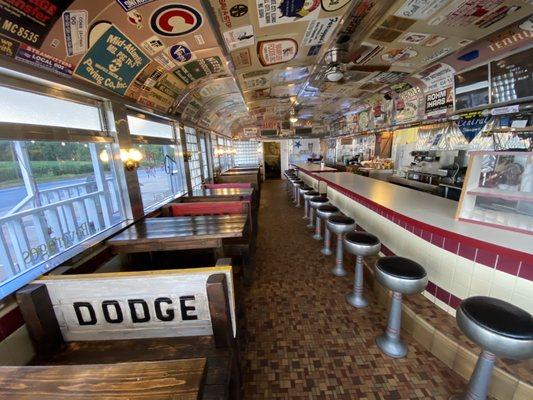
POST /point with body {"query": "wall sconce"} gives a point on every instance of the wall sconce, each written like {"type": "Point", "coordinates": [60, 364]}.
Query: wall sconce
{"type": "Point", "coordinates": [187, 155]}
{"type": "Point", "coordinates": [131, 158]}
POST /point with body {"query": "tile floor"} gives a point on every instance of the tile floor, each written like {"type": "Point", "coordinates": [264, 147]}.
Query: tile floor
{"type": "Point", "coordinates": [304, 341]}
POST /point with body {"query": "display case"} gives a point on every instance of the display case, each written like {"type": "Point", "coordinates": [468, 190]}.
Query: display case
{"type": "Point", "coordinates": [498, 190]}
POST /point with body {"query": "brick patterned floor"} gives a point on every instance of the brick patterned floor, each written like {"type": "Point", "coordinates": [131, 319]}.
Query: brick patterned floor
{"type": "Point", "coordinates": [304, 341]}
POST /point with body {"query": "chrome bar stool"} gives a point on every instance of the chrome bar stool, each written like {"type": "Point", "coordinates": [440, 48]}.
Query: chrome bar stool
{"type": "Point", "coordinates": [296, 190]}
{"type": "Point", "coordinates": [301, 191]}
{"type": "Point", "coordinates": [324, 212]}
{"type": "Point", "coordinates": [318, 224]}
{"type": "Point", "coordinates": [340, 225]}
{"type": "Point", "coordinates": [402, 276]}
{"type": "Point", "coordinates": [314, 203]}
{"type": "Point", "coordinates": [308, 196]}
{"type": "Point", "coordinates": [291, 194]}
{"type": "Point", "coordinates": [360, 244]}
{"type": "Point", "coordinates": [501, 329]}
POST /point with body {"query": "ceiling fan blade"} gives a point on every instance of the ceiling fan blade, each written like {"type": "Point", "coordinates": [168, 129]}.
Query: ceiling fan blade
{"type": "Point", "coordinates": [369, 68]}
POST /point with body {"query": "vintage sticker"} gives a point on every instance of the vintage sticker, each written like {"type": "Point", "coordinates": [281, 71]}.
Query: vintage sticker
{"type": "Point", "coordinates": [199, 39]}
{"type": "Point", "coordinates": [30, 22]}
{"type": "Point", "coordinates": [420, 9]}
{"type": "Point", "coordinates": [175, 20]}
{"type": "Point", "coordinates": [314, 50]}
{"type": "Point", "coordinates": [277, 51]}
{"type": "Point", "coordinates": [437, 77]}
{"type": "Point", "coordinates": [181, 53]}
{"type": "Point", "coordinates": [240, 37]}
{"type": "Point", "coordinates": [199, 68]}
{"type": "Point", "coordinates": [257, 82]}
{"type": "Point", "coordinates": [129, 5]}
{"type": "Point", "coordinates": [165, 61]}
{"type": "Point", "coordinates": [439, 102]}
{"type": "Point", "coordinates": [385, 35]}
{"type": "Point", "coordinates": [275, 12]}
{"type": "Point", "coordinates": [319, 30]}
{"type": "Point", "coordinates": [414, 37]}
{"type": "Point", "coordinates": [434, 40]}
{"type": "Point", "coordinates": [135, 18]}
{"type": "Point", "coordinates": [153, 45]}
{"type": "Point", "coordinates": [437, 54]}
{"type": "Point", "coordinates": [37, 58]}
{"type": "Point", "coordinates": [365, 52]}
{"type": "Point", "coordinates": [396, 55]}
{"type": "Point", "coordinates": [238, 10]}
{"type": "Point", "coordinates": [333, 5]}
{"type": "Point", "coordinates": [466, 12]}
{"type": "Point", "coordinates": [112, 62]}
{"type": "Point", "coordinates": [75, 25]}
{"type": "Point", "coordinates": [241, 58]}
{"type": "Point", "coordinates": [398, 23]}
{"type": "Point", "coordinates": [8, 47]}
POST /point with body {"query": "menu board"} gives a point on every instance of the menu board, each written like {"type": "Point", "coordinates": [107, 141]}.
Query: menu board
{"type": "Point", "coordinates": [512, 76]}
{"type": "Point", "coordinates": [472, 88]}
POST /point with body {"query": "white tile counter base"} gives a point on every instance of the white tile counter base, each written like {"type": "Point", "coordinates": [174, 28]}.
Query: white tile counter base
{"type": "Point", "coordinates": [460, 276]}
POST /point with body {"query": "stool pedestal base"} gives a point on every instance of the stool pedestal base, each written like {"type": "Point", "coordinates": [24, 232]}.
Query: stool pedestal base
{"type": "Point", "coordinates": [478, 386]}
{"type": "Point", "coordinates": [311, 223]}
{"type": "Point", "coordinates": [326, 250]}
{"type": "Point", "coordinates": [390, 342]}
{"type": "Point", "coordinates": [338, 269]}
{"type": "Point", "coordinates": [318, 230]}
{"type": "Point", "coordinates": [393, 347]}
{"type": "Point", "coordinates": [356, 298]}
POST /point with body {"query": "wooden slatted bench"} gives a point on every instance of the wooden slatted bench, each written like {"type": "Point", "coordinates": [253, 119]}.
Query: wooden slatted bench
{"type": "Point", "coordinates": [126, 317]}
{"type": "Point", "coordinates": [157, 380]}
{"type": "Point", "coordinates": [240, 247]}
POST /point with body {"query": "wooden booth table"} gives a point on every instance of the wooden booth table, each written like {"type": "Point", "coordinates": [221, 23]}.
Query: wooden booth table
{"type": "Point", "coordinates": [178, 233]}
{"type": "Point", "coordinates": [157, 380]}
{"type": "Point", "coordinates": [225, 194]}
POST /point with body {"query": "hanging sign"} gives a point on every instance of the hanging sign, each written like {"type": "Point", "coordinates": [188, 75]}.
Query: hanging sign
{"type": "Point", "coordinates": [112, 62]}
{"type": "Point", "coordinates": [30, 21]}
{"type": "Point", "coordinates": [471, 124]}
{"type": "Point", "coordinates": [438, 103]}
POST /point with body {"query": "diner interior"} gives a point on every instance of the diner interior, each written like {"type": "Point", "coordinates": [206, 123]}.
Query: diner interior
{"type": "Point", "coordinates": [266, 199]}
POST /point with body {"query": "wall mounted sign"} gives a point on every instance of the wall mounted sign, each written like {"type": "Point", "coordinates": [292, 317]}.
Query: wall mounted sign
{"type": "Point", "coordinates": [175, 20]}
{"type": "Point", "coordinates": [319, 31]}
{"type": "Point", "coordinates": [438, 103]}
{"type": "Point", "coordinates": [471, 124]}
{"type": "Point", "coordinates": [511, 77]}
{"type": "Point", "coordinates": [75, 24]}
{"type": "Point", "coordinates": [240, 37]}
{"type": "Point", "coordinates": [277, 51]}
{"type": "Point", "coordinates": [129, 5]}
{"type": "Point", "coordinates": [275, 12]}
{"type": "Point", "coordinates": [30, 21]}
{"type": "Point", "coordinates": [419, 9]}
{"type": "Point", "coordinates": [199, 69]}
{"type": "Point", "coordinates": [112, 62]}
{"type": "Point", "coordinates": [37, 58]}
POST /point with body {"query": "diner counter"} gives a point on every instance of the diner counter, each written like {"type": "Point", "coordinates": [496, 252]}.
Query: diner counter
{"type": "Point", "coordinates": [462, 259]}
{"type": "Point", "coordinates": [430, 210]}
{"type": "Point", "coordinates": [311, 167]}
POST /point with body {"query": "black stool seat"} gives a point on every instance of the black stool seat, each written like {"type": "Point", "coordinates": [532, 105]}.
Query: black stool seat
{"type": "Point", "coordinates": [318, 199]}
{"type": "Point", "coordinates": [401, 267]}
{"type": "Point", "coordinates": [328, 209]}
{"type": "Point", "coordinates": [306, 188]}
{"type": "Point", "coordinates": [362, 238]}
{"type": "Point", "coordinates": [311, 194]}
{"type": "Point", "coordinates": [499, 317]}
{"type": "Point", "coordinates": [341, 220]}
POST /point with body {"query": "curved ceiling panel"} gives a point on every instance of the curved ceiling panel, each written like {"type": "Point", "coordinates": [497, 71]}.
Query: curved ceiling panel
{"type": "Point", "coordinates": [161, 54]}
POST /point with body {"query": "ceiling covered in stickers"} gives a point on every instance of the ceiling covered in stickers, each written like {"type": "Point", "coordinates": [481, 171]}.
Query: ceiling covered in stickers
{"type": "Point", "coordinates": [230, 64]}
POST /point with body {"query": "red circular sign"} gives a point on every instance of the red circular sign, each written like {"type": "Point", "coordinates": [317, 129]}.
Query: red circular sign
{"type": "Point", "coordinates": [175, 20]}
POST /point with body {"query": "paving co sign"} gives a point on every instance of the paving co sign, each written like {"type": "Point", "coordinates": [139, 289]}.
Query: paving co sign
{"type": "Point", "coordinates": [134, 305]}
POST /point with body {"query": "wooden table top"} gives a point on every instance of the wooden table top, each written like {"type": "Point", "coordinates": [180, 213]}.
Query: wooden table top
{"type": "Point", "coordinates": [157, 380]}
{"type": "Point", "coordinates": [172, 233]}
{"type": "Point", "coordinates": [221, 192]}
{"type": "Point", "coordinates": [240, 172]}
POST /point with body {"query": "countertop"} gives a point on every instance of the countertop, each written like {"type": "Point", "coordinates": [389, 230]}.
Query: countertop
{"type": "Point", "coordinates": [310, 167]}
{"type": "Point", "coordinates": [428, 209]}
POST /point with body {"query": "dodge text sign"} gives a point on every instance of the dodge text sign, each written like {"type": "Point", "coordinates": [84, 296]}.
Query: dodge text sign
{"type": "Point", "coordinates": [134, 305]}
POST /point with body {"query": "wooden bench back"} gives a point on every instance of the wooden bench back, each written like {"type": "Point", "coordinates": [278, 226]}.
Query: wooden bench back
{"type": "Point", "coordinates": [131, 305]}
{"type": "Point", "coordinates": [236, 185]}
{"type": "Point", "coordinates": [205, 208]}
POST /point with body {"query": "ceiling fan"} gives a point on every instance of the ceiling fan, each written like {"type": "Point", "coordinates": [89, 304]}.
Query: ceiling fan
{"type": "Point", "coordinates": [339, 69]}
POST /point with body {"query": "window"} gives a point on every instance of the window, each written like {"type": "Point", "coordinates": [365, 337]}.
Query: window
{"type": "Point", "coordinates": [161, 173]}
{"type": "Point", "coordinates": [56, 191]}
{"type": "Point", "coordinates": [194, 161]}
{"type": "Point", "coordinates": [247, 153]}
{"type": "Point", "coordinates": [205, 162]}
{"type": "Point", "coordinates": [215, 153]}
{"type": "Point", "coordinates": [23, 107]}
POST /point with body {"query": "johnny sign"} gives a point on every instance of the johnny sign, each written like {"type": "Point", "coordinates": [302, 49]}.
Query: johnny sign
{"type": "Point", "coordinates": [132, 305]}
